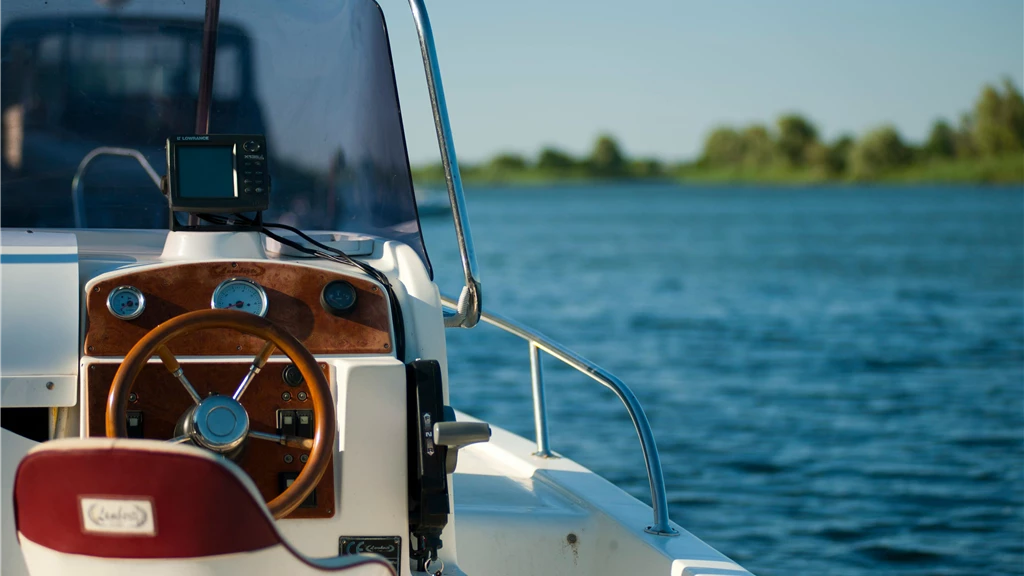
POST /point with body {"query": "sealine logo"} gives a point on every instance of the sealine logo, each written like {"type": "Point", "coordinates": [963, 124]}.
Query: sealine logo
{"type": "Point", "coordinates": [193, 138]}
{"type": "Point", "coordinates": [118, 516]}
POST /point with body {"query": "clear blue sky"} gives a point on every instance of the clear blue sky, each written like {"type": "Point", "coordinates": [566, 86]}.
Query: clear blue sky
{"type": "Point", "coordinates": [659, 74]}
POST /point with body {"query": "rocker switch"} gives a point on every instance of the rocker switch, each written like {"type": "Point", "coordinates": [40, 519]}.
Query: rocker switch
{"type": "Point", "coordinates": [133, 421]}
{"type": "Point", "coordinates": [286, 422]}
{"type": "Point", "coordinates": [304, 423]}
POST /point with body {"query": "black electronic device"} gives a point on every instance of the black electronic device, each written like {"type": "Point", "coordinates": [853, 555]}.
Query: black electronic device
{"type": "Point", "coordinates": [217, 173]}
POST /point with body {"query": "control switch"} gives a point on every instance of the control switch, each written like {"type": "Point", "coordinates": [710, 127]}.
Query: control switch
{"type": "Point", "coordinates": [285, 479]}
{"type": "Point", "coordinates": [133, 420]}
{"type": "Point", "coordinates": [286, 422]}
{"type": "Point", "coordinates": [304, 423]}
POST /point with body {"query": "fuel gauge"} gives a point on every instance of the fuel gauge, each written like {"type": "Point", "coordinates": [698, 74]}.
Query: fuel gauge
{"type": "Point", "coordinates": [126, 302]}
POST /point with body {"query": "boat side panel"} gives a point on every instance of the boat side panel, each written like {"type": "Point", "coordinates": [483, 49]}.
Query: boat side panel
{"type": "Point", "coordinates": [518, 511]}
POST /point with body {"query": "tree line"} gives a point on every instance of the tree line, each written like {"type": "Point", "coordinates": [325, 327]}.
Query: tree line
{"type": "Point", "coordinates": [993, 128]}
{"type": "Point", "coordinates": [985, 144]}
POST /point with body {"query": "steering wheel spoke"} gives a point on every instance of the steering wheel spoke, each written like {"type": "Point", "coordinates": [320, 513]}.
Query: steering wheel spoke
{"type": "Point", "coordinates": [289, 441]}
{"type": "Point", "coordinates": [179, 439]}
{"type": "Point", "coordinates": [174, 367]}
{"type": "Point", "coordinates": [257, 364]}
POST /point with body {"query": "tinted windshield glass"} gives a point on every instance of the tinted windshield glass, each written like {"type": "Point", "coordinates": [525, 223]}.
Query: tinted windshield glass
{"type": "Point", "coordinates": [315, 77]}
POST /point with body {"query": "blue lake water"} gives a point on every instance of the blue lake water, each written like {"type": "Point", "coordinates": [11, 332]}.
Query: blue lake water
{"type": "Point", "coordinates": [835, 376]}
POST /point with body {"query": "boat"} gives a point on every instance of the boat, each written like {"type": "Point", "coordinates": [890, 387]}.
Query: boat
{"type": "Point", "coordinates": [222, 350]}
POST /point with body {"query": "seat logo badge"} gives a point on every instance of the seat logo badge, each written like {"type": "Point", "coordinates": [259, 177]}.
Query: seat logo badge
{"type": "Point", "coordinates": [118, 516]}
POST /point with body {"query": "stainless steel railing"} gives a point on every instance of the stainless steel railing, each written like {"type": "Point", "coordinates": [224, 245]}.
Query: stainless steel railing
{"type": "Point", "coordinates": [77, 192]}
{"type": "Point", "coordinates": [467, 310]}
{"type": "Point", "coordinates": [537, 343]}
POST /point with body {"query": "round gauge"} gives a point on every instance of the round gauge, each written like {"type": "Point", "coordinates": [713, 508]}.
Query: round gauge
{"type": "Point", "coordinates": [240, 294]}
{"type": "Point", "coordinates": [126, 302]}
{"type": "Point", "coordinates": [338, 297]}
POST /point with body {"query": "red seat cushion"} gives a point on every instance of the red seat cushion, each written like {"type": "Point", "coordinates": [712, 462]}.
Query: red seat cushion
{"type": "Point", "coordinates": [200, 507]}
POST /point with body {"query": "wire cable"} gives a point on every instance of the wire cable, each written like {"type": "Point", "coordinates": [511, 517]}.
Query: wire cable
{"type": "Point", "coordinates": [325, 252]}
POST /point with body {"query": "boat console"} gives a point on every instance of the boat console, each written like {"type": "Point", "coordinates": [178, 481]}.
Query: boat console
{"type": "Point", "coordinates": [223, 350]}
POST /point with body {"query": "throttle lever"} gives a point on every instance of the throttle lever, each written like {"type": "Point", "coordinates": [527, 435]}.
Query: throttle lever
{"type": "Point", "coordinates": [456, 435]}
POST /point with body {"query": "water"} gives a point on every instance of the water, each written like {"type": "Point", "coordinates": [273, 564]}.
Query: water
{"type": "Point", "coordinates": [835, 376]}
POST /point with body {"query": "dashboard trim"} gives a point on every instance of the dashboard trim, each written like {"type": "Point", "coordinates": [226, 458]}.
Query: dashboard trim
{"type": "Point", "coordinates": [293, 292]}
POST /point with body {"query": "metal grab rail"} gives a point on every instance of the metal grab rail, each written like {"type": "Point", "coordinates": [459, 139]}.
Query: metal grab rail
{"type": "Point", "coordinates": [468, 309]}
{"type": "Point", "coordinates": [76, 182]}
{"type": "Point", "coordinates": [538, 342]}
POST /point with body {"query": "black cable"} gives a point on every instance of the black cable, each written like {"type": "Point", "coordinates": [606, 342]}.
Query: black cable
{"type": "Point", "coordinates": [327, 253]}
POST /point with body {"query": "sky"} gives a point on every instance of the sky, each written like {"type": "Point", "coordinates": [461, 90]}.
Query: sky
{"type": "Point", "coordinates": [660, 74]}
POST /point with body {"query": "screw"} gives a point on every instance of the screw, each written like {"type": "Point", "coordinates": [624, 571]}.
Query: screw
{"type": "Point", "coordinates": [287, 458]}
{"type": "Point", "coordinates": [96, 289]}
{"type": "Point", "coordinates": [133, 397]}
{"type": "Point", "coordinates": [286, 396]}
{"type": "Point", "coordinates": [234, 265]}
{"type": "Point", "coordinates": [49, 385]}
{"type": "Point", "coordinates": [303, 458]}
{"type": "Point", "coordinates": [374, 288]}
{"type": "Point", "coordinates": [301, 396]}
{"type": "Point", "coordinates": [91, 348]}
{"type": "Point", "coordinates": [239, 347]}
{"type": "Point", "coordinates": [386, 345]}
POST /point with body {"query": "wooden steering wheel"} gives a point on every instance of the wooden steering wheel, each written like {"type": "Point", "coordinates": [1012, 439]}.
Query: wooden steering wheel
{"type": "Point", "coordinates": [220, 423]}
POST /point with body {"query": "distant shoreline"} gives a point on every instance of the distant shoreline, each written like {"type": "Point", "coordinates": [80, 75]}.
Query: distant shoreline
{"type": "Point", "coordinates": [986, 147]}
{"type": "Point", "coordinates": [1005, 169]}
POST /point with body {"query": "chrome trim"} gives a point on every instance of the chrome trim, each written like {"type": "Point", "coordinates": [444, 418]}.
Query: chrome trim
{"type": "Point", "coordinates": [227, 433]}
{"type": "Point", "coordinates": [289, 441]}
{"type": "Point", "coordinates": [467, 312]}
{"type": "Point", "coordinates": [264, 302]}
{"type": "Point", "coordinates": [540, 410]}
{"type": "Point", "coordinates": [76, 182]}
{"type": "Point", "coordinates": [138, 296]}
{"type": "Point", "coordinates": [659, 496]}
{"type": "Point", "coordinates": [180, 375]}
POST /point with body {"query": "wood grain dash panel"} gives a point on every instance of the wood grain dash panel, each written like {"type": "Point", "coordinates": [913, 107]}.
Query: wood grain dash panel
{"type": "Point", "coordinates": [162, 400]}
{"type": "Point", "coordinates": [293, 292]}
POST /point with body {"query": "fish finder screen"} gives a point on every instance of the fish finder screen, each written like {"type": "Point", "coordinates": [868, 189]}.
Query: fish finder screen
{"type": "Point", "coordinates": [206, 172]}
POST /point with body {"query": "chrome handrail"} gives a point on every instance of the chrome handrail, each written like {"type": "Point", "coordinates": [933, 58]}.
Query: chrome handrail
{"type": "Point", "coordinates": [76, 182]}
{"type": "Point", "coordinates": [467, 311]}
{"type": "Point", "coordinates": [538, 342]}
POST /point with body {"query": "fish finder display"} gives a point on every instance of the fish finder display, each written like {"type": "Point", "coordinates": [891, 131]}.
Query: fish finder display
{"type": "Point", "coordinates": [217, 173]}
{"type": "Point", "coordinates": [206, 172]}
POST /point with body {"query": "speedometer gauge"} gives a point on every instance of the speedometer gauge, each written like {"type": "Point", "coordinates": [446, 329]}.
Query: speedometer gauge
{"type": "Point", "coordinates": [240, 294]}
{"type": "Point", "coordinates": [126, 302]}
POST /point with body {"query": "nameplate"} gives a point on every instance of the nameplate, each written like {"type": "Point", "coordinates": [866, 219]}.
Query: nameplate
{"type": "Point", "coordinates": [118, 516]}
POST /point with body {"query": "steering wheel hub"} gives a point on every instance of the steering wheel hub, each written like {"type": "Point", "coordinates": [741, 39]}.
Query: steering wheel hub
{"type": "Point", "coordinates": [218, 423]}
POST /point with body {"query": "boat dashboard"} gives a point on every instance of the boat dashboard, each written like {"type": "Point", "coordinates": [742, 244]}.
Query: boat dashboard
{"type": "Point", "coordinates": [330, 313]}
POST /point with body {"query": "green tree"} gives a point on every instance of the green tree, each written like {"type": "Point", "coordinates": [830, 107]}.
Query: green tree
{"type": "Point", "coordinates": [941, 141]}
{"type": "Point", "coordinates": [1013, 111]}
{"type": "Point", "coordinates": [758, 147]}
{"type": "Point", "coordinates": [723, 147]}
{"type": "Point", "coordinates": [796, 134]}
{"type": "Point", "coordinates": [998, 120]}
{"type": "Point", "coordinates": [963, 138]}
{"type": "Point", "coordinates": [838, 157]}
{"type": "Point", "coordinates": [606, 159]}
{"type": "Point", "coordinates": [880, 150]}
{"type": "Point", "coordinates": [647, 168]}
{"type": "Point", "coordinates": [555, 160]}
{"type": "Point", "coordinates": [508, 163]}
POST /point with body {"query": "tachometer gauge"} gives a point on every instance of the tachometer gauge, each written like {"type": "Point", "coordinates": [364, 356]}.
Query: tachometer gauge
{"type": "Point", "coordinates": [126, 302]}
{"type": "Point", "coordinates": [240, 294]}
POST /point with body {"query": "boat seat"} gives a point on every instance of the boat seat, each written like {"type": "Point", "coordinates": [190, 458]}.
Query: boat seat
{"type": "Point", "coordinates": [120, 507]}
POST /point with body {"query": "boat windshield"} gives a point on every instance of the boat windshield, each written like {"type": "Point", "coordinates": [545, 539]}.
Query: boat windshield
{"type": "Point", "coordinates": [315, 77]}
